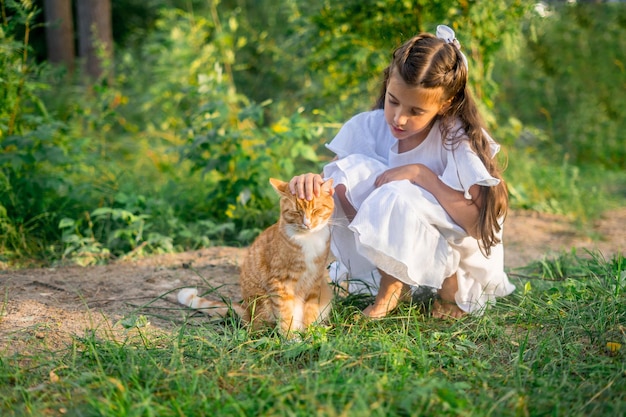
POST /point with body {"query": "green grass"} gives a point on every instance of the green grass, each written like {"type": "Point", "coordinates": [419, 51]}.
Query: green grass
{"type": "Point", "coordinates": [545, 350]}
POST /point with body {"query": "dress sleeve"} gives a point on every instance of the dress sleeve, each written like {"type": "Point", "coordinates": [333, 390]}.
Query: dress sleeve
{"type": "Point", "coordinates": [357, 136]}
{"type": "Point", "coordinates": [464, 168]}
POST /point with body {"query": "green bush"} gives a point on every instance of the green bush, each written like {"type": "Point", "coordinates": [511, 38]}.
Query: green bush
{"type": "Point", "coordinates": [567, 81]}
{"type": "Point", "coordinates": [168, 157]}
{"type": "Point", "coordinates": [34, 147]}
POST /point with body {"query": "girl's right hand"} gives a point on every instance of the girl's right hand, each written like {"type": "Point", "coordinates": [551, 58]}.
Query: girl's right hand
{"type": "Point", "coordinates": [306, 186]}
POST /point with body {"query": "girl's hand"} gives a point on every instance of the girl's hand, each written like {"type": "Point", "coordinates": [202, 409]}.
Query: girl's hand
{"type": "Point", "coordinates": [406, 172]}
{"type": "Point", "coordinates": [306, 186]}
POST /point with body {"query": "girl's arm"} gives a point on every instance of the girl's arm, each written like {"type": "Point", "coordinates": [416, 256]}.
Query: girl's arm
{"type": "Point", "coordinates": [464, 212]}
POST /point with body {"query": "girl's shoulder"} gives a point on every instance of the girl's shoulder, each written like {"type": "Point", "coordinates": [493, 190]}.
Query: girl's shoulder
{"type": "Point", "coordinates": [454, 132]}
{"type": "Point", "coordinates": [457, 138]}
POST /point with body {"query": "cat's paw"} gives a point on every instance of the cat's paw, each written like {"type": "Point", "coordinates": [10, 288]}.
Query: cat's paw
{"type": "Point", "coordinates": [293, 337]}
{"type": "Point", "coordinates": [186, 295]}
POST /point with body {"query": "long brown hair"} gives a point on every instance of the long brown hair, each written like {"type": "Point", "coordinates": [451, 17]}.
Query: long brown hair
{"type": "Point", "coordinates": [429, 62]}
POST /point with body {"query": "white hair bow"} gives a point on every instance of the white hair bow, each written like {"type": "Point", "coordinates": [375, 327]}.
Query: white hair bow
{"type": "Point", "coordinates": [447, 34]}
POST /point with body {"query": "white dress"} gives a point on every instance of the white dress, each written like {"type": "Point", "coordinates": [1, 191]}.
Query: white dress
{"type": "Point", "coordinates": [400, 227]}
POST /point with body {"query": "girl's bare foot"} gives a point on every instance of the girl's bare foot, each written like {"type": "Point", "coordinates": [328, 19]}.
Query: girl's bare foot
{"type": "Point", "coordinates": [374, 311]}
{"type": "Point", "coordinates": [445, 306]}
{"type": "Point", "coordinates": [389, 294]}
{"type": "Point", "coordinates": [443, 309]}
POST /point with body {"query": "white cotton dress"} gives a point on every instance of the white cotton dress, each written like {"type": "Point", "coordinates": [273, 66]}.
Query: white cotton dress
{"type": "Point", "coordinates": [400, 228]}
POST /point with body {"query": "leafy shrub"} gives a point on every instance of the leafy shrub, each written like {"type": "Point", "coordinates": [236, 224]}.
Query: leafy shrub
{"type": "Point", "coordinates": [218, 133]}
{"type": "Point", "coordinates": [241, 155]}
{"type": "Point", "coordinates": [566, 82]}
{"type": "Point", "coordinates": [210, 150]}
{"type": "Point", "coordinates": [34, 145]}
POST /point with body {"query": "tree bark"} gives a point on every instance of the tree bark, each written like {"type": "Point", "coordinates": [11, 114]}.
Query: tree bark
{"type": "Point", "coordinates": [60, 32]}
{"type": "Point", "coordinates": [95, 36]}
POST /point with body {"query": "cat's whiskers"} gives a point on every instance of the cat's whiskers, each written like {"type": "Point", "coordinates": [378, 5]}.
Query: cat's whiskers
{"type": "Point", "coordinates": [341, 222]}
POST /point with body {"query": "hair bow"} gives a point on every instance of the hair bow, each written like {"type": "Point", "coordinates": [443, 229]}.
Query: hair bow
{"type": "Point", "coordinates": [447, 34]}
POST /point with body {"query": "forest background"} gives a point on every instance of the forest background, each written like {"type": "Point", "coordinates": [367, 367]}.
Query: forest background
{"type": "Point", "coordinates": [170, 148]}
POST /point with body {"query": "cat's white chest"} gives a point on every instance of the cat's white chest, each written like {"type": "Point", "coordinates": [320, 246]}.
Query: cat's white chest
{"type": "Point", "coordinates": [313, 245]}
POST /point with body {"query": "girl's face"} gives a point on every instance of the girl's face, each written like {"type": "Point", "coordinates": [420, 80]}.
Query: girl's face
{"type": "Point", "coordinates": [410, 110]}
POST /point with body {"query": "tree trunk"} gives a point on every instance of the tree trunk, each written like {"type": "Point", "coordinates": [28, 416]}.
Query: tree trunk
{"type": "Point", "coordinates": [60, 32]}
{"type": "Point", "coordinates": [95, 36]}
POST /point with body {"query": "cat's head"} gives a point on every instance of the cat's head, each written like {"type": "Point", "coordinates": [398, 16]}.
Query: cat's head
{"type": "Point", "coordinates": [301, 215]}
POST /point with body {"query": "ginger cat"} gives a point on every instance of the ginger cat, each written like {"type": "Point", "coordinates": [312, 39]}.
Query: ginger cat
{"type": "Point", "coordinates": [284, 277]}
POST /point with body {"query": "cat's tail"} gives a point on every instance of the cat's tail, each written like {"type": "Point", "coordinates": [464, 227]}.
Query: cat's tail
{"type": "Point", "coordinates": [189, 297]}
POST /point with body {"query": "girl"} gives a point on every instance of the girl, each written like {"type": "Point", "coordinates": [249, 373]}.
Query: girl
{"type": "Point", "coordinates": [421, 199]}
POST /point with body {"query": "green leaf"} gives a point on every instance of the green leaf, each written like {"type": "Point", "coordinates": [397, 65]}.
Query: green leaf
{"type": "Point", "coordinates": [67, 223]}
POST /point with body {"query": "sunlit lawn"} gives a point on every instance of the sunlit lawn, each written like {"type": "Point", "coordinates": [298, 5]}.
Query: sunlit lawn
{"type": "Point", "coordinates": [556, 347]}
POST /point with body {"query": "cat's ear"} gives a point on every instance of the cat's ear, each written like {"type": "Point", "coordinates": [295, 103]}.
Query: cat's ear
{"type": "Point", "coordinates": [327, 186]}
{"type": "Point", "coordinates": [281, 187]}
